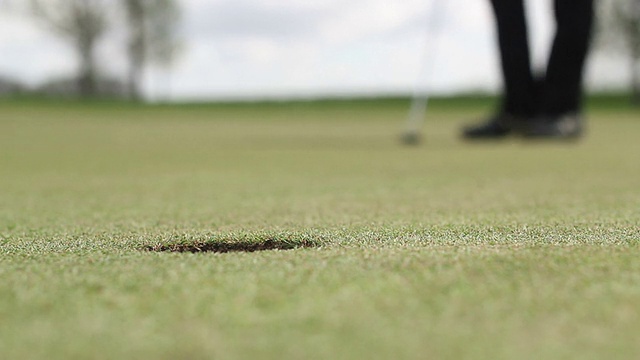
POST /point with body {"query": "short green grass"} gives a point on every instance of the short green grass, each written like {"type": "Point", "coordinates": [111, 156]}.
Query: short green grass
{"type": "Point", "coordinates": [449, 250]}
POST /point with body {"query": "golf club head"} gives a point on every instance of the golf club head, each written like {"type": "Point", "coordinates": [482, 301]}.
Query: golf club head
{"type": "Point", "coordinates": [411, 138]}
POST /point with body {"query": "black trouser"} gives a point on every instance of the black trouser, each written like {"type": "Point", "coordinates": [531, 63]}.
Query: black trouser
{"type": "Point", "coordinates": [560, 89]}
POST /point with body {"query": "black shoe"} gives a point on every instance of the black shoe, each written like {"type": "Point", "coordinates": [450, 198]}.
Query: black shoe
{"type": "Point", "coordinates": [497, 127]}
{"type": "Point", "coordinates": [566, 126]}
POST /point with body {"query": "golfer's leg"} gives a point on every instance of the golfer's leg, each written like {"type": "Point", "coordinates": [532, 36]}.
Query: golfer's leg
{"type": "Point", "coordinates": [514, 53]}
{"type": "Point", "coordinates": [564, 78]}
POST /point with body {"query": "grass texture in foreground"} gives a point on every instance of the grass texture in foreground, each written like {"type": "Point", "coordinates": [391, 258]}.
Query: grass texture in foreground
{"type": "Point", "coordinates": [450, 250]}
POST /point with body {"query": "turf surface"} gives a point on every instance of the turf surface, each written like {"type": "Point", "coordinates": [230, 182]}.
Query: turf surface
{"type": "Point", "coordinates": [449, 250]}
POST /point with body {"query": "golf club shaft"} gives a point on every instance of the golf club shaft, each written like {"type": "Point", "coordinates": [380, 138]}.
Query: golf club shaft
{"type": "Point", "coordinates": [422, 88]}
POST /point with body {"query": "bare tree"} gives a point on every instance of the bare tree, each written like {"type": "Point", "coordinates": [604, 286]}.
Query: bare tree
{"type": "Point", "coordinates": [82, 23]}
{"type": "Point", "coordinates": [620, 29]}
{"type": "Point", "coordinates": [152, 31]}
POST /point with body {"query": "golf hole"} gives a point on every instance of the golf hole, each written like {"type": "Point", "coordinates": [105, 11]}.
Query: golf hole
{"type": "Point", "coordinates": [228, 246]}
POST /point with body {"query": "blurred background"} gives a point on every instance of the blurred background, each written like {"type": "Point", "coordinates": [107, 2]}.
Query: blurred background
{"type": "Point", "coordinates": [204, 50]}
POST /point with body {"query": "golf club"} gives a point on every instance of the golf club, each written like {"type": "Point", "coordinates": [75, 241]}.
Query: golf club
{"type": "Point", "coordinates": [422, 87]}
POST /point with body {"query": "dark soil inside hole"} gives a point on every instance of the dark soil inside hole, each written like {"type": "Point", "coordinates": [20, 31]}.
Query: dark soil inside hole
{"type": "Point", "coordinates": [232, 246]}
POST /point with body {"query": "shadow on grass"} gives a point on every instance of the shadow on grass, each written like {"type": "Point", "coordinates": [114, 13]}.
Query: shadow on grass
{"type": "Point", "coordinates": [234, 245]}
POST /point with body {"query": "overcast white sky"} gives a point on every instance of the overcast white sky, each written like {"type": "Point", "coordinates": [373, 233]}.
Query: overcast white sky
{"type": "Point", "coordinates": [282, 48]}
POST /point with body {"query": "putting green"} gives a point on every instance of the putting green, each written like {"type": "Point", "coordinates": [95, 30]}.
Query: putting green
{"type": "Point", "coordinates": [512, 249]}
